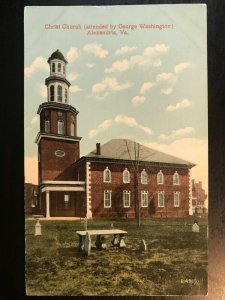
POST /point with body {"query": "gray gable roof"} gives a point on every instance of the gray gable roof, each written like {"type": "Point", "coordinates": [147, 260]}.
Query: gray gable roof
{"type": "Point", "coordinates": [124, 149]}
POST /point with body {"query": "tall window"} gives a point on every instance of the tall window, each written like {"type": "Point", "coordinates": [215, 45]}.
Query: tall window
{"type": "Point", "coordinates": [59, 67]}
{"type": "Point", "coordinates": [53, 67]}
{"type": "Point", "coordinates": [126, 198]}
{"type": "Point", "coordinates": [47, 126]}
{"type": "Point", "coordinates": [61, 127]}
{"type": "Point", "coordinates": [52, 92]}
{"type": "Point", "coordinates": [176, 178]}
{"type": "Point", "coordinates": [66, 201]}
{"type": "Point", "coordinates": [160, 178]}
{"type": "Point", "coordinates": [59, 93]}
{"type": "Point", "coordinates": [144, 177]}
{"type": "Point", "coordinates": [107, 198]}
{"type": "Point", "coordinates": [63, 69]}
{"type": "Point", "coordinates": [72, 129]}
{"type": "Point", "coordinates": [176, 199]}
{"type": "Point", "coordinates": [66, 96]}
{"type": "Point", "coordinates": [144, 199]}
{"type": "Point", "coordinates": [107, 175]}
{"type": "Point", "coordinates": [161, 199]}
{"type": "Point", "coordinates": [126, 176]}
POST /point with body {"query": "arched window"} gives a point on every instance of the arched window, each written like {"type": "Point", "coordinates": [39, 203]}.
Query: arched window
{"type": "Point", "coordinates": [61, 127]}
{"type": "Point", "coordinates": [63, 69]}
{"type": "Point", "coordinates": [52, 92]}
{"type": "Point", "coordinates": [144, 177]}
{"type": "Point", "coordinates": [66, 96]}
{"type": "Point", "coordinates": [53, 67]}
{"type": "Point", "coordinates": [126, 176]}
{"type": "Point", "coordinates": [72, 129]}
{"type": "Point", "coordinates": [59, 67]}
{"type": "Point", "coordinates": [107, 175]}
{"type": "Point", "coordinates": [160, 177]}
{"type": "Point", "coordinates": [59, 93]}
{"type": "Point", "coordinates": [47, 125]}
{"type": "Point", "coordinates": [176, 178]}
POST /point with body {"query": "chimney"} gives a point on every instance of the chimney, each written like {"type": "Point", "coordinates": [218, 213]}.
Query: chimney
{"type": "Point", "coordinates": [98, 148]}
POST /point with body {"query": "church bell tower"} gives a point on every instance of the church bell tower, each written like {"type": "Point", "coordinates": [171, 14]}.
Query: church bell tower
{"type": "Point", "coordinates": [57, 140]}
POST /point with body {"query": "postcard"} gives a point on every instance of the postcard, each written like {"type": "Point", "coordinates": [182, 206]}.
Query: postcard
{"type": "Point", "coordinates": [116, 150]}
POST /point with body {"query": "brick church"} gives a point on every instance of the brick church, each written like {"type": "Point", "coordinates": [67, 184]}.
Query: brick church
{"type": "Point", "coordinates": [114, 180]}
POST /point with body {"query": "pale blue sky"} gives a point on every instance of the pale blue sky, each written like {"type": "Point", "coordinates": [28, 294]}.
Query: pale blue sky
{"type": "Point", "coordinates": [155, 92]}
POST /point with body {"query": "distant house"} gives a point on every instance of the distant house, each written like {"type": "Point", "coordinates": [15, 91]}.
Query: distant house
{"type": "Point", "coordinates": [105, 182]}
{"type": "Point", "coordinates": [30, 198]}
{"type": "Point", "coordinates": [198, 197]}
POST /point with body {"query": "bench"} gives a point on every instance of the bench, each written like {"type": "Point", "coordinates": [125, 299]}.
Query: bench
{"type": "Point", "coordinates": [85, 238]}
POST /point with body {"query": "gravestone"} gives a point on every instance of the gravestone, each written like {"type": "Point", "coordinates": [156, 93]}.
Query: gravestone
{"type": "Point", "coordinates": [195, 227]}
{"type": "Point", "coordinates": [143, 246]}
{"type": "Point", "coordinates": [87, 244]}
{"type": "Point", "coordinates": [37, 228]}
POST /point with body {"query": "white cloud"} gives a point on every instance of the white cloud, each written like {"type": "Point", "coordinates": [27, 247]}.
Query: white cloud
{"type": "Point", "coordinates": [43, 91]}
{"type": "Point", "coordinates": [190, 149]}
{"type": "Point", "coordinates": [129, 121]}
{"type": "Point", "coordinates": [177, 133]}
{"type": "Point", "coordinates": [72, 54]}
{"type": "Point", "coordinates": [31, 169]}
{"type": "Point", "coordinates": [35, 119]}
{"type": "Point", "coordinates": [125, 49]}
{"type": "Point", "coordinates": [39, 64]}
{"type": "Point", "coordinates": [72, 76]}
{"type": "Point", "coordinates": [157, 49]}
{"type": "Point", "coordinates": [183, 66]}
{"type": "Point", "coordinates": [147, 59]}
{"type": "Point", "coordinates": [168, 80]}
{"type": "Point", "coordinates": [101, 127]}
{"type": "Point", "coordinates": [90, 66]}
{"type": "Point", "coordinates": [167, 91]}
{"type": "Point", "coordinates": [75, 89]}
{"type": "Point", "coordinates": [169, 77]}
{"type": "Point", "coordinates": [146, 86]}
{"type": "Point", "coordinates": [182, 104]}
{"type": "Point", "coordinates": [96, 49]}
{"type": "Point", "coordinates": [138, 100]}
{"type": "Point", "coordinates": [108, 84]}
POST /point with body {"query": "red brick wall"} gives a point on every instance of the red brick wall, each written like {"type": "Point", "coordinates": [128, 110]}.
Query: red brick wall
{"type": "Point", "coordinates": [52, 167]}
{"type": "Point", "coordinates": [117, 187]}
{"type": "Point", "coordinates": [76, 205]}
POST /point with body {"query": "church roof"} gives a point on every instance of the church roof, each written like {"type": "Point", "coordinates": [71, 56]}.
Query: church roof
{"type": "Point", "coordinates": [124, 149]}
{"type": "Point", "coordinates": [57, 55]}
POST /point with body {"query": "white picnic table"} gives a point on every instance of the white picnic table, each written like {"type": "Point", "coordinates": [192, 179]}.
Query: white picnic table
{"type": "Point", "coordinates": [85, 238]}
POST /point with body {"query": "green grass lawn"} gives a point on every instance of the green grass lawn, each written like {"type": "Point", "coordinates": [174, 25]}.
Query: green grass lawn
{"type": "Point", "coordinates": [175, 262]}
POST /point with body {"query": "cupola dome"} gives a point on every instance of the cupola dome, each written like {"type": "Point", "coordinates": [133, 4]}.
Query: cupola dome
{"type": "Point", "coordinates": [57, 55]}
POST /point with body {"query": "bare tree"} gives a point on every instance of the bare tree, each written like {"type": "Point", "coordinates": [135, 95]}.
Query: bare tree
{"type": "Point", "coordinates": [135, 164]}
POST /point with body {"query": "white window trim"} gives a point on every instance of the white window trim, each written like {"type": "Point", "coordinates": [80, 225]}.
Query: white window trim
{"type": "Point", "coordinates": [162, 192]}
{"type": "Point", "coordinates": [62, 127]}
{"type": "Point", "coordinates": [107, 170]}
{"type": "Point", "coordinates": [143, 174]}
{"type": "Point", "coordinates": [144, 193]}
{"type": "Point", "coordinates": [66, 201]}
{"type": "Point", "coordinates": [126, 171]}
{"type": "Point", "coordinates": [160, 174]}
{"type": "Point", "coordinates": [174, 195]}
{"type": "Point", "coordinates": [126, 193]}
{"type": "Point", "coordinates": [110, 198]}
{"type": "Point", "coordinates": [47, 126]}
{"type": "Point", "coordinates": [176, 174]}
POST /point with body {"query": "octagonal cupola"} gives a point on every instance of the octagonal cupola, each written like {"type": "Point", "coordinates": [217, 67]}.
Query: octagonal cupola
{"type": "Point", "coordinates": [57, 84]}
